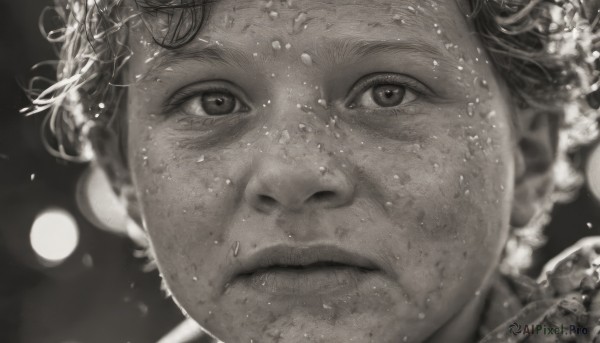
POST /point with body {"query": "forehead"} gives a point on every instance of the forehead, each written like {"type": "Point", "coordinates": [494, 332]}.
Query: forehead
{"type": "Point", "coordinates": [308, 21]}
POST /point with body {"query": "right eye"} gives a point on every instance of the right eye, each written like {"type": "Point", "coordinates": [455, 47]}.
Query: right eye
{"type": "Point", "coordinates": [213, 103]}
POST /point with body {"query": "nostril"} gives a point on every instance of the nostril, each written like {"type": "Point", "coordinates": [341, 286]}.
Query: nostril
{"type": "Point", "coordinates": [267, 200]}
{"type": "Point", "coordinates": [323, 196]}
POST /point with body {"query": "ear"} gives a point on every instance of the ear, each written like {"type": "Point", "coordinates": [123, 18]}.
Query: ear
{"type": "Point", "coordinates": [536, 144]}
{"type": "Point", "coordinates": [111, 158]}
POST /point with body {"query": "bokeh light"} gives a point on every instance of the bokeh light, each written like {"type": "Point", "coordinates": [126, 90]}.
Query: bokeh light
{"type": "Point", "coordinates": [593, 172]}
{"type": "Point", "coordinates": [54, 236]}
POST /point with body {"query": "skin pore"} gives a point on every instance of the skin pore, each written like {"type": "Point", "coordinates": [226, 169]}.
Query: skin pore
{"type": "Point", "coordinates": [376, 127]}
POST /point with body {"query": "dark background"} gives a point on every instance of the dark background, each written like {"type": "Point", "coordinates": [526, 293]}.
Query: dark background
{"type": "Point", "coordinates": [109, 299]}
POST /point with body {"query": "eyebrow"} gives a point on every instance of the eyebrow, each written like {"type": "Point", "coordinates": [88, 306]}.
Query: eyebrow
{"type": "Point", "coordinates": [329, 52]}
{"type": "Point", "coordinates": [348, 50]}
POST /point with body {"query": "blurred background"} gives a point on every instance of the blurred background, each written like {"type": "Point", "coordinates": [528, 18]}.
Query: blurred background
{"type": "Point", "coordinates": [64, 280]}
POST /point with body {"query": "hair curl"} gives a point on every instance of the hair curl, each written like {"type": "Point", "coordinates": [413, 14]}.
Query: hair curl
{"type": "Point", "coordinates": [547, 51]}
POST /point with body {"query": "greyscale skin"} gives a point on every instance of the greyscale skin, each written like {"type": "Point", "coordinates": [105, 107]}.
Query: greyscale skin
{"type": "Point", "coordinates": [307, 156]}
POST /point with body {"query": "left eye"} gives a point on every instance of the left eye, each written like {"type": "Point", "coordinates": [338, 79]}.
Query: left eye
{"type": "Point", "coordinates": [212, 103]}
{"type": "Point", "coordinates": [386, 95]}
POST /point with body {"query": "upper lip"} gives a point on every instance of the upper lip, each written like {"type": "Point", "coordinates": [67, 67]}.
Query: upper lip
{"type": "Point", "coordinates": [302, 256]}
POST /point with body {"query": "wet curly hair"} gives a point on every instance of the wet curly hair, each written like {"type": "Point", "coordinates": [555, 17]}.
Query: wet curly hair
{"type": "Point", "coordinates": [547, 51]}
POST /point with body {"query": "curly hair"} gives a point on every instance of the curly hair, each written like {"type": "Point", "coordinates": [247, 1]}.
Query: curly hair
{"type": "Point", "coordinates": [545, 49]}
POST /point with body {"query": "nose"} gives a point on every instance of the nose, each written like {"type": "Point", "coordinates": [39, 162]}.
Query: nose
{"type": "Point", "coordinates": [278, 184]}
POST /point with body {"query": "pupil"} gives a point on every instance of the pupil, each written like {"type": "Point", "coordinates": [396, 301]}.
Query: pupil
{"type": "Point", "coordinates": [218, 103]}
{"type": "Point", "coordinates": [388, 95]}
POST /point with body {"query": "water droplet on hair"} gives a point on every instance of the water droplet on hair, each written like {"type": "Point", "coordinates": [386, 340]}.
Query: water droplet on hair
{"type": "Point", "coordinates": [32, 176]}
{"type": "Point", "coordinates": [435, 63]}
{"type": "Point", "coordinates": [388, 204]}
{"type": "Point", "coordinates": [200, 159]}
{"type": "Point", "coordinates": [273, 14]}
{"type": "Point", "coordinates": [306, 59]}
{"type": "Point", "coordinates": [412, 9]}
{"type": "Point", "coordinates": [322, 170]}
{"type": "Point", "coordinates": [405, 339]}
{"type": "Point", "coordinates": [421, 315]}
{"type": "Point", "coordinates": [276, 45]}
{"type": "Point", "coordinates": [436, 166]}
{"type": "Point", "coordinates": [288, 46]}
{"type": "Point", "coordinates": [589, 225]}
{"type": "Point", "coordinates": [299, 22]}
{"type": "Point", "coordinates": [216, 242]}
{"type": "Point", "coordinates": [195, 278]}
{"type": "Point", "coordinates": [322, 102]}
{"type": "Point", "coordinates": [461, 68]}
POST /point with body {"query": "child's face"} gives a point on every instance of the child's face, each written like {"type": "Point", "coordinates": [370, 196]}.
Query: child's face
{"type": "Point", "coordinates": [372, 132]}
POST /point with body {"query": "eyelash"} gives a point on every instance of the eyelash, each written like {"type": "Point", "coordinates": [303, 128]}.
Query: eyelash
{"type": "Point", "coordinates": [182, 96]}
{"type": "Point", "coordinates": [369, 81]}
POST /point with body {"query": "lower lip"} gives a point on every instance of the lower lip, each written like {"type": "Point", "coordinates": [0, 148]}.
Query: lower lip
{"type": "Point", "coordinates": [309, 281]}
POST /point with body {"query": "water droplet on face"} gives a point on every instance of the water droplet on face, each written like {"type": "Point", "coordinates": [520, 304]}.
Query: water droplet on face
{"type": "Point", "coordinates": [470, 109]}
{"type": "Point", "coordinates": [200, 159]}
{"type": "Point", "coordinates": [589, 225]}
{"type": "Point", "coordinates": [276, 45]}
{"type": "Point", "coordinates": [306, 59]}
{"type": "Point", "coordinates": [195, 278]}
{"type": "Point", "coordinates": [299, 22]}
{"type": "Point", "coordinates": [273, 14]}
{"type": "Point", "coordinates": [435, 63]}
{"type": "Point", "coordinates": [412, 9]}
{"type": "Point", "coordinates": [288, 46]}
{"type": "Point", "coordinates": [461, 68]}
{"type": "Point", "coordinates": [227, 181]}
{"type": "Point", "coordinates": [388, 204]}
{"type": "Point", "coordinates": [285, 137]}
{"type": "Point", "coordinates": [405, 339]}
{"type": "Point", "coordinates": [322, 102]}
{"type": "Point", "coordinates": [322, 170]}
{"type": "Point", "coordinates": [236, 248]}
{"type": "Point", "coordinates": [421, 315]}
